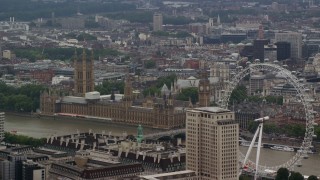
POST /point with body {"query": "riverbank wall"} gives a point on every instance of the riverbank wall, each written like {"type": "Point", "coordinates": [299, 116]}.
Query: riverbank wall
{"type": "Point", "coordinates": [83, 119]}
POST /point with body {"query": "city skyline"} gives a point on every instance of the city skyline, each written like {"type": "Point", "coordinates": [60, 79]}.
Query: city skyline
{"type": "Point", "coordinates": [154, 89]}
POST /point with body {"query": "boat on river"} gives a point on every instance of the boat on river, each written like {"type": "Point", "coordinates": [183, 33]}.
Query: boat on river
{"type": "Point", "coordinates": [282, 148]}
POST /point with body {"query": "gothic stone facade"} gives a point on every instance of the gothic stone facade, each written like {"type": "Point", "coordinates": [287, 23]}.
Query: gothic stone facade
{"type": "Point", "coordinates": [161, 115]}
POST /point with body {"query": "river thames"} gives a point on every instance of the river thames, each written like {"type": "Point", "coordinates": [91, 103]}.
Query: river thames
{"type": "Point", "coordinates": [36, 127]}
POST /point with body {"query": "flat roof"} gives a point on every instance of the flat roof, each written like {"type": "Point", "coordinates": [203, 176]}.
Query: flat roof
{"type": "Point", "coordinates": [157, 176]}
{"type": "Point", "coordinates": [212, 109]}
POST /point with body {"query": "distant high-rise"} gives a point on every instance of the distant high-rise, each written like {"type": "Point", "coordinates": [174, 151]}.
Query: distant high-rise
{"type": "Point", "coordinates": [283, 50]}
{"type": "Point", "coordinates": [258, 48]}
{"type": "Point", "coordinates": [212, 143]}
{"type": "Point", "coordinates": [295, 40]}
{"type": "Point", "coordinates": [157, 22]}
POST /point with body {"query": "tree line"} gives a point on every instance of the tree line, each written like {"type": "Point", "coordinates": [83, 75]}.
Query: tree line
{"type": "Point", "coordinates": [26, 10]}
{"type": "Point", "coordinates": [147, 17]}
{"type": "Point", "coordinates": [285, 174]}
{"type": "Point", "coordinates": [155, 87]}
{"type": "Point", "coordinates": [239, 95]}
{"type": "Point", "coordinates": [291, 130]}
{"type": "Point", "coordinates": [20, 99]}
{"type": "Point", "coordinates": [23, 140]}
{"type": "Point", "coordinates": [107, 87]}
{"type": "Point", "coordinates": [34, 54]}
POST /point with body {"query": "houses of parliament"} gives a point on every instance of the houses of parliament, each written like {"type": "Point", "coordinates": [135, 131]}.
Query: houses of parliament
{"type": "Point", "coordinates": [162, 113]}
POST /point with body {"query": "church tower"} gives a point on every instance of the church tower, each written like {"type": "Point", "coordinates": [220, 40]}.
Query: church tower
{"type": "Point", "coordinates": [204, 90]}
{"type": "Point", "coordinates": [83, 74]}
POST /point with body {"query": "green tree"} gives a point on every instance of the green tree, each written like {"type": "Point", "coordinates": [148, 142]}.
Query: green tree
{"type": "Point", "coordinates": [91, 24]}
{"type": "Point", "coordinates": [156, 87]}
{"type": "Point", "coordinates": [317, 132]}
{"type": "Point", "coordinates": [108, 86]}
{"type": "Point", "coordinates": [161, 33]}
{"type": "Point", "coordinates": [244, 177]}
{"type": "Point", "coordinates": [312, 177]}
{"type": "Point", "coordinates": [153, 91]}
{"type": "Point", "coordinates": [63, 53]}
{"type": "Point", "coordinates": [180, 20]}
{"type": "Point", "coordinates": [24, 140]}
{"type": "Point", "coordinates": [185, 94]}
{"type": "Point", "coordinates": [274, 99]}
{"type": "Point", "coordinates": [255, 98]}
{"type": "Point", "coordinates": [296, 176]}
{"type": "Point", "coordinates": [239, 94]}
{"type": "Point", "coordinates": [25, 98]}
{"type": "Point", "coordinates": [149, 64]}
{"type": "Point", "coordinates": [26, 10]}
{"type": "Point", "coordinates": [86, 37]}
{"type": "Point", "coordinates": [168, 80]}
{"type": "Point", "coordinates": [252, 126]}
{"type": "Point", "coordinates": [295, 130]}
{"type": "Point", "coordinates": [270, 128]}
{"type": "Point", "coordinates": [282, 174]}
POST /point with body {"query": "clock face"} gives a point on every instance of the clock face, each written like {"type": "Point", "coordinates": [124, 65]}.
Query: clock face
{"type": "Point", "coordinates": [208, 88]}
{"type": "Point", "coordinates": [201, 88]}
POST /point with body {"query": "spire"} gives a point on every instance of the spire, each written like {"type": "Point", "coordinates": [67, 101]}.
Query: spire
{"type": "Point", "coordinates": [218, 20]}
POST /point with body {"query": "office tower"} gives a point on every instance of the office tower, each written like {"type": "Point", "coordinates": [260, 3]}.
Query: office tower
{"type": "Point", "coordinates": [32, 171]}
{"type": "Point", "coordinates": [270, 52]}
{"type": "Point", "coordinates": [295, 40]}
{"type": "Point", "coordinates": [157, 22]}
{"type": "Point", "coordinates": [258, 48]}
{"type": "Point", "coordinates": [212, 143]}
{"type": "Point", "coordinates": [11, 168]}
{"type": "Point", "coordinates": [283, 50]}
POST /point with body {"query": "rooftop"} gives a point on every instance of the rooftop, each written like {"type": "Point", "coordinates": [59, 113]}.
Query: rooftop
{"type": "Point", "coordinates": [177, 174]}
{"type": "Point", "coordinates": [212, 109]}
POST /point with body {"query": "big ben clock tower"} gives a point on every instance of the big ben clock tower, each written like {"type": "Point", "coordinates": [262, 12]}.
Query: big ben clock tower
{"type": "Point", "coordinates": [204, 89]}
